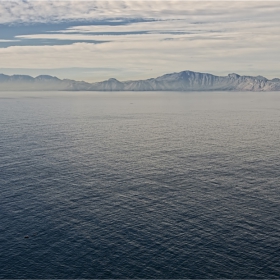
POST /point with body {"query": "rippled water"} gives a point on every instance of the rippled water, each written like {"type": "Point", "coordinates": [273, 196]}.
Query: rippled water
{"type": "Point", "coordinates": [140, 185]}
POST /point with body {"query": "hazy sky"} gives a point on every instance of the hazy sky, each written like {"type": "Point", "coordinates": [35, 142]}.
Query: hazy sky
{"type": "Point", "coordinates": [96, 40]}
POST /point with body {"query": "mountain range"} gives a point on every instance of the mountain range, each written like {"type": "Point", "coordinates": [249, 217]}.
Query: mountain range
{"type": "Point", "coordinates": [182, 81]}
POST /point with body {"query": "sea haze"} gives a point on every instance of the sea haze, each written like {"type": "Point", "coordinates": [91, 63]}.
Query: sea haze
{"type": "Point", "coordinates": [139, 185]}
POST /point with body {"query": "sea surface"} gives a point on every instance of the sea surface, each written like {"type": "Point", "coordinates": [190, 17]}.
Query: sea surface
{"type": "Point", "coordinates": [140, 185]}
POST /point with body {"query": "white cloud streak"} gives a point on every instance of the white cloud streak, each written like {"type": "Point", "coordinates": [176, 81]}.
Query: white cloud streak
{"type": "Point", "coordinates": [49, 11]}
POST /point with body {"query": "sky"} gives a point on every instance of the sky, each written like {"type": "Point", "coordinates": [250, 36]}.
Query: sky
{"type": "Point", "coordinates": [132, 39]}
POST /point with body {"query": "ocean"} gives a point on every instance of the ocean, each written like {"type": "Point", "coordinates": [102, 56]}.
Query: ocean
{"type": "Point", "coordinates": [140, 185]}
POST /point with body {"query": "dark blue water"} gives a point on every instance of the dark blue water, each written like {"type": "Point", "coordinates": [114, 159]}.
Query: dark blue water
{"type": "Point", "coordinates": [140, 185]}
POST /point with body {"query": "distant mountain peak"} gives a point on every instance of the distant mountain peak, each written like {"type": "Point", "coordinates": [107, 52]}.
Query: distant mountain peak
{"type": "Point", "coordinates": [234, 76]}
{"type": "Point", "coordinates": [113, 80]}
{"type": "Point", "coordinates": [46, 77]}
{"type": "Point", "coordinates": [262, 78]}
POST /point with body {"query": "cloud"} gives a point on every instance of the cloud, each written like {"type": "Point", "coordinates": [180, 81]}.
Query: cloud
{"type": "Point", "coordinates": [55, 11]}
{"type": "Point", "coordinates": [164, 36]}
{"type": "Point", "coordinates": [163, 57]}
{"type": "Point", "coordinates": [7, 41]}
